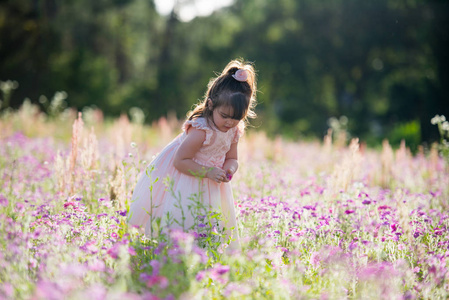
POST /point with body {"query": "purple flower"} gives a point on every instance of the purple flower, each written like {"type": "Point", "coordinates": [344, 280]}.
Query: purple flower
{"type": "Point", "coordinates": [309, 207]}
{"type": "Point", "coordinates": [296, 216]}
{"type": "Point", "coordinates": [352, 246]}
{"type": "Point", "coordinates": [220, 269]}
{"type": "Point", "coordinates": [366, 202]}
{"type": "Point", "coordinates": [394, 227]}
{"type": "Point", "coordinates": [156, 265]}
{"type": "Point", "coordinates": [349, 211]}
{"type": "Point", "coordinates": [122, 212]}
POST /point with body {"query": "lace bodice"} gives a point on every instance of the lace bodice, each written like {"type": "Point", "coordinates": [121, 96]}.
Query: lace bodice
{"type": "Point", "coordinates": [216, 144]}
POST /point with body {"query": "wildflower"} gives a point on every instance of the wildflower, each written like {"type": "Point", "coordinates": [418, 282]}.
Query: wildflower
{"type": "Point", "coordinates": [122, 212]}
{"type": "Point", "coordinates": [366, 202]}
{"type": "Point", "coordinates": [220, 269]}
{"type": "Point", "coordinates": [89, 247]}
{"type": "Point", "coordinates": [133, 145]}
{"type": "Point", "coordinates": [131, 251]}
{"type": "Point", "coordinates": [383, 207]}
{"type": "Point", "coordinates": [296, 216]}
{"type": "Point", "coordinates": [200, 275]}
{"type": "Point", "coordinates": [113, 251]}
{"type": "Point", "coordinates": [236, 289]}
{"type": "Point", "coordinates": [349, 211]}
{"type": "Point", "coordinates": [394, 227]}
{"type": "Point", "coordinates": [20, 207]}
{"type": "Point", "coordinates": [438, 119]}
{"type": "Point", "coordinates": [352, 246]}
{"type": "Point", "coordinates": [445, 126]}
{"type": "Point", "coordinates": [3, 200]}
{"type": "Point", "coordinates": [97, 265]}
{"type": "Point", "coordinates": [315, 259]}
{"type": "Point", "coordinates": [161, 281]}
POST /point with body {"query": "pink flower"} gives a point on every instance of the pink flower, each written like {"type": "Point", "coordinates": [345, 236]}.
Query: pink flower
{"type": "Point", "coordinates": [161, 281]}
{"type": "Point", "coordinates": [113, 251]}
{"type": "Point", "coordinates": [131, 251]}
{"type": "Point", "coordinates": [315, 259]}
{"type": "Point", "coordinates": [3, 200]}
{"type": "Point", "coordinates": [349, 211]}
{"type": "Point", "coordinates": [200, 275]}
{"type": "Point", "coordinates": [240, 75]}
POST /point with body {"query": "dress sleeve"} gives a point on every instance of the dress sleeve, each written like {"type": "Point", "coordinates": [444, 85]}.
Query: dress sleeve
{"type": "Point", "coordinates": [201, 124]}
{"type": "Point", "coordinates": [239, 131]}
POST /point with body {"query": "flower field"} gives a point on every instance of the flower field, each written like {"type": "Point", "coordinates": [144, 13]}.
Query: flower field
{"type": "Point", "coordinates": [317, 220]}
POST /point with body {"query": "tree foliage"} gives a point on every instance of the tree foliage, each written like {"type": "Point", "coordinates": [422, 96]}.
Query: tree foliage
{"type": "Point", "coordinates": [380, 63]}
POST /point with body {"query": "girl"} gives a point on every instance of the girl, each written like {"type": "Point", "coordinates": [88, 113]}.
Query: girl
{"type": "Point", "coordinates": [201, 161]}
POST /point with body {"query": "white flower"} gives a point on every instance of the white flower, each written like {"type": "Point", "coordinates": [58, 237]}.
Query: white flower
{"type": "Point", "coordinates": [435, 120]}
{"type": "Point", "coordinates": [133, 145]}
{"type": "Point", "coordinates": [445, 126]}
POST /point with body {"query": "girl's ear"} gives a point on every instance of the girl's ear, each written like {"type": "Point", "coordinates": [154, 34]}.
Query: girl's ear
{"type": "Point", "coordinates": [210, 106]}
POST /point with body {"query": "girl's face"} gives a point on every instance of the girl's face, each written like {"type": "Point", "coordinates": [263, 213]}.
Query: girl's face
{"type": "Point", "coordinates": [222, 118]}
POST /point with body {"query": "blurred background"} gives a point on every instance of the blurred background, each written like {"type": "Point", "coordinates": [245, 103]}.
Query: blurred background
{"type": "Point", "coordinates": [378, 69]}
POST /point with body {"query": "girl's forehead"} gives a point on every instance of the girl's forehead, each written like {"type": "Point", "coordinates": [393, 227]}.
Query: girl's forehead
{"type": "Point", "coordinates": [226, 109]}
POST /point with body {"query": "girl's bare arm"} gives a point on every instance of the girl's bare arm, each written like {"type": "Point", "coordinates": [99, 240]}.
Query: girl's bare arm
{"type": "Point", "coordinates": [184, 163]}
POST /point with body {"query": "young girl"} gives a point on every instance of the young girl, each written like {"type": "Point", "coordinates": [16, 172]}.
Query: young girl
{"type": "Point", "coordinates": [201, 161]}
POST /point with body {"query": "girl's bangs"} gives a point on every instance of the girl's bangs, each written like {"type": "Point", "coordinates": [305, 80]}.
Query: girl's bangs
{"type": "Point", "coordinates": [238, 102]}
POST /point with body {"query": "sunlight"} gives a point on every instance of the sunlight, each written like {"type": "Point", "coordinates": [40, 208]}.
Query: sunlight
{"type": "Point", "coordinates": [190, 10]}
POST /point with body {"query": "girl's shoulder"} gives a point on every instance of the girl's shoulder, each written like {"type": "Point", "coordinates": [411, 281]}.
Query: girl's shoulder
{"type": "Point", "coordinates": [201, 124]}
{"type": "Point", "coordinates": [198, 123]}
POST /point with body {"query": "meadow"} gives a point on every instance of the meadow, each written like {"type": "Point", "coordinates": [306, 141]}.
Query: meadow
{"type": "Point", "coordinates": [327, 219]}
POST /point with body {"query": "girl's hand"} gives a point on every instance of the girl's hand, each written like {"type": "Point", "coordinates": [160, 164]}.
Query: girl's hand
{"type": "Point", "coordinates": [216, 174]}
{"type": "Point", "coordinates": [229, 173]}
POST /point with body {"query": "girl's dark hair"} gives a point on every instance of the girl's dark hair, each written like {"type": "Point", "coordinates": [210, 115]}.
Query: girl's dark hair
{"type": "Point", "coordinates": [226, 90]}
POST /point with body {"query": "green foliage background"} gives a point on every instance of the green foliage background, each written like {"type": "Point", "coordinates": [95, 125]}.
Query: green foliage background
{"type": "Point", "coordinates": [382, 63]}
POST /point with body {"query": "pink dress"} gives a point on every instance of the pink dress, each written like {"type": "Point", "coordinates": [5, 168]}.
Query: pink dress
{"type": "Point", "coordinates": [176, 204]}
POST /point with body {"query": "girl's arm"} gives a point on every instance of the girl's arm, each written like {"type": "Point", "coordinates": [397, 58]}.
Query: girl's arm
{"type": "Point", "coordinates": [231, 163]}
{"type": "Point", "coordinates": [184, 163]}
